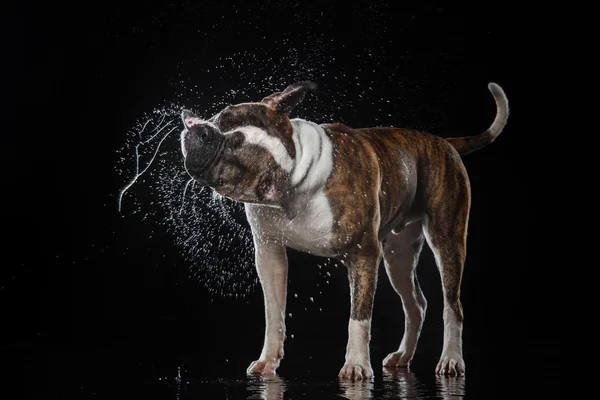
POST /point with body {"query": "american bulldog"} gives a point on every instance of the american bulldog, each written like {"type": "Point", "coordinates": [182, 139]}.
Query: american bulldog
{"type": "Point", "coordinates": [356, 195]}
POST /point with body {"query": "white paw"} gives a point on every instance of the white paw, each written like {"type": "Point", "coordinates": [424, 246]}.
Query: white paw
{"type": "Point", "coordinates": [263, 367]}
{"type": "Point", "coordinates": [356, 371]}
{"type": "Point", "coordinates": [397, 359]}
{"type": "Point", "coordinates": [450, 364]}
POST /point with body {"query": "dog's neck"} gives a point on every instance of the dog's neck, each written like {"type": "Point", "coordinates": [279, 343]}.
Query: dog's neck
{"type": "Point", "coordinates": [314, 158]}
{"type": "Point", "coordinates": [312, 166]}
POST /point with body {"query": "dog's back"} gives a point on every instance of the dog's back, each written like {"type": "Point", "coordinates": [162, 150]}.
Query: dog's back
{"type": "Point", "coordinates": [426, 167]}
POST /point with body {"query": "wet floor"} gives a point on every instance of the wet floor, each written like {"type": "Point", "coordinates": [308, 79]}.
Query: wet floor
{"type": "Point", "coordinates": [65, 373]}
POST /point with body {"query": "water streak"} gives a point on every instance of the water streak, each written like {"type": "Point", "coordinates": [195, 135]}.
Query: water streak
{"type": "Point", "coordinates": [137, 165]}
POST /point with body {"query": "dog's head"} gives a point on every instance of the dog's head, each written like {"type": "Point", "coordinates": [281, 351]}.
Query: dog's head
{"type": "Point", "coordinates": [246, 151]}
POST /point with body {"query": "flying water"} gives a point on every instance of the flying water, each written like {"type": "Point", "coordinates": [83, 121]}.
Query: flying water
{"type": "Point", "coordinates": [210, 230]}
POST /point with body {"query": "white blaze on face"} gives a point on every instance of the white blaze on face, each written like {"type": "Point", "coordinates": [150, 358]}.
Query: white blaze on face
{"type": "Point", "coordinates": [314, 152]}
{"type": "Point", "coordinates": [273, 145]}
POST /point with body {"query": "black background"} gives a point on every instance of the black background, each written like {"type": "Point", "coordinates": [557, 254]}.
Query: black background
{"type": "Point", "coordinates": [79, 280]}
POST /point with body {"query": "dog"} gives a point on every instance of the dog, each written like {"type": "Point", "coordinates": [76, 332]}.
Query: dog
{"type": "Point", "coordinates": [356, 195]}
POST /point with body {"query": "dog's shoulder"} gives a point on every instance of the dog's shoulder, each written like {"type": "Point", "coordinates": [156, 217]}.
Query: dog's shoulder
{"type": "Point", "coordinates": [338, 127]}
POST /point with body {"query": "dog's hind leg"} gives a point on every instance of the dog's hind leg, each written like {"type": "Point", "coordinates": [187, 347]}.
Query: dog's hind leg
{"type": "Point", "coordinates": [445, 228]}
{"type": "Point", "coordinates": [401, 255]}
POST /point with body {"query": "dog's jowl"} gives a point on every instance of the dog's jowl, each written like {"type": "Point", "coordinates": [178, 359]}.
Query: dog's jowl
{"type": "Point", "coordinates": [299, 183]}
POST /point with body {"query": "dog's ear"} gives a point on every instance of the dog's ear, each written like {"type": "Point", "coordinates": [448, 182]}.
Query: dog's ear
{"type": "Point", "coordinates": [288, 99]}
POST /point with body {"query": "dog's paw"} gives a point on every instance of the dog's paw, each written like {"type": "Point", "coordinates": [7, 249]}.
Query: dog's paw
{"type": "Point", "coordinates": [263, 367]}
{"type": "Point", "coordinates": [397, 359]}
{"type": "Point", "coordinates": [356, 371]}
{"type": "Point", "coordinates": [450, 365]}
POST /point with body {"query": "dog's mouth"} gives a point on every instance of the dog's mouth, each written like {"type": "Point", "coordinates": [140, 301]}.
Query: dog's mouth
{"type": "Point", "coordinates": [266, 190]}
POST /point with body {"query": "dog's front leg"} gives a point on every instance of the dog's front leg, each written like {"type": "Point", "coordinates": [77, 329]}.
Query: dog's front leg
{"type": "Point", "coordinates": [362, 274]}
{"type": "Point", "coordinates": [272, 268]}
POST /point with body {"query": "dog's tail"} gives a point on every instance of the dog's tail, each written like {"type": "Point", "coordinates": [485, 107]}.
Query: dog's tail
{"type": "Point", "coordinates": [468, 144]}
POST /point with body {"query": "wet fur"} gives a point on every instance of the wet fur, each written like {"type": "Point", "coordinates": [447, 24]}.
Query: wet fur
{"type": "Point", "coordinates": [383, 181]}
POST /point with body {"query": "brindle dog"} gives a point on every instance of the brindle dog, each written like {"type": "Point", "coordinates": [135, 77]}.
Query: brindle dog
{"type": "Point", "coordinates": [357, 195]}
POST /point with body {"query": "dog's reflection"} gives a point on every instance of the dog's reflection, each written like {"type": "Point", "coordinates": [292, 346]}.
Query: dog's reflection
{"type": "Point", "coordinates": [402, 383]}
{"type": "Point", "coordinates": [450, 387]}
{"type": "Point", "coordinates": [396, 383]}
{"type": "Point", "coordinates": [354, 390]}
{"type": "Point", "coordinates": [263, 388]}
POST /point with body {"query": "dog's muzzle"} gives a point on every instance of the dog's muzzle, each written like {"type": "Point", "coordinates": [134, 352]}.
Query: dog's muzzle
{"type": "Point", "coordinates": [202, 145]}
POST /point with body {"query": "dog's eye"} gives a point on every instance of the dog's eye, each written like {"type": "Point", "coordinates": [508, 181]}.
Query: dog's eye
{"type": "Point", "coordinates": [236, 139]}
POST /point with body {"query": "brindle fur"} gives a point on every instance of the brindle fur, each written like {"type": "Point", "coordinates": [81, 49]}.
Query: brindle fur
{"type": "Point", "coordinates": [259, 115]}
{"type": "Point", "coordinates": [383, 180]}
{"type": "Point", "coordinates": [392, 175]}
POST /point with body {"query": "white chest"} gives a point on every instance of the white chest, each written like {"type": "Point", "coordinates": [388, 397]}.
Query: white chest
{"type": "Point", "coordinates": [309, 231]}
{"type": "Point", "coordinates": [309, 227]}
